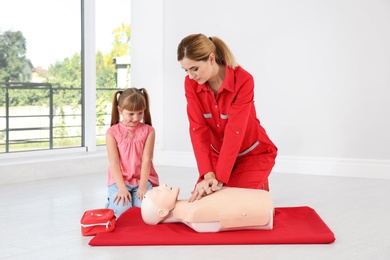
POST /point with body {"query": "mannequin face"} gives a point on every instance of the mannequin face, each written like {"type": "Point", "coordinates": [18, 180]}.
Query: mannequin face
{"type": "Point", "coordinates": [158, 202]}
{"type": "Point", "coordinates": [164, 196]}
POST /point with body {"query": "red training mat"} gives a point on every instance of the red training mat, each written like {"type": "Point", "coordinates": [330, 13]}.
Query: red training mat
{"type": "Point", "coordinates": [292, 225]}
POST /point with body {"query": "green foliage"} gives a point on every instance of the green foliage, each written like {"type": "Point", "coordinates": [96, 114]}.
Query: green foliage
{"type": "Point", "coordinates": [60, 131]}
{"type": "Point", "coordinates": [66, 74]}
{"type": "Point", "coordinates": [65, 77]}
{"type": "Point", "coordinates": [29, 97]}
{"type": "Point", "coordinates": [12, 56]}
{"type": "Point", "coordinates": [121, 44]}
{"type": "Point", "coordinates": [105, 71]}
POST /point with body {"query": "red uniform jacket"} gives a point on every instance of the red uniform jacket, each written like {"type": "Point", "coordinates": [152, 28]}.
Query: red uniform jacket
{"type": "Point", "coordinates": [226, 123]}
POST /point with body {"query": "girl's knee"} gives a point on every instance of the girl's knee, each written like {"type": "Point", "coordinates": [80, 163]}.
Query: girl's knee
{"type": "Point", "coordinates": [118, 209]}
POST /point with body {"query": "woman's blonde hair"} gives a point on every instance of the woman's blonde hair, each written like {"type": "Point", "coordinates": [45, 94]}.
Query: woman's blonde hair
{"type": "Point", "coordinates": [198, 47]}
{"type": "Point", "coordinates": [131, 99]}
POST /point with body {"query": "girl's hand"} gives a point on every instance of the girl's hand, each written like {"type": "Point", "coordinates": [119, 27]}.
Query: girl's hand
{"type": "Point", "coordinates": [207, 186]}
{"type": "Point", "coordinates": [141, 193]}
{"type": "Point", "coordinates": [124, 196]}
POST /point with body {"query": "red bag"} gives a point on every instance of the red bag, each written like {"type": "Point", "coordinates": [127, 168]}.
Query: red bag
{"type": "Point", "coordinates": [97, 220]}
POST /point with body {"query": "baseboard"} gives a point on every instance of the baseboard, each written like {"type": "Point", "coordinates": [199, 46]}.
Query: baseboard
{"type": "Point", "coordinates": [180, 159]}
{"type": "Point", "coordinates": [361, 168]}
{"type": "Point", "coordinates": [40, 168]}
{"type": "Point", "coordinates": [47, 167]}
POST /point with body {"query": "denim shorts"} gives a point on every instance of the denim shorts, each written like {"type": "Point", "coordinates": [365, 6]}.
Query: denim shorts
{"type": "Point", "coordinates": [120, 209]}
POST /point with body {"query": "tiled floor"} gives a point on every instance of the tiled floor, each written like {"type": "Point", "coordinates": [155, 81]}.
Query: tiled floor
{"type": "Point", "coordinates": [41, 219]}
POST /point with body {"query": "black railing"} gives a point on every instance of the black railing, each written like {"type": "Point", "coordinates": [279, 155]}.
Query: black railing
{"type": "Point", "coordinates": [40, 116]}
{"type": "Point", "coordinates": [36, 116]}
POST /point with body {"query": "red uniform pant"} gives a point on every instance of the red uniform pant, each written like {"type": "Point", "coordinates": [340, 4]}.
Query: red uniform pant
{"type": "Point", "coordinates": [252, 170]}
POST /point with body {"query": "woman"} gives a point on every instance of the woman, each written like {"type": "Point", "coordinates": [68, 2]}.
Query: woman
{"type": "Point", "coordinates": [231, 147]}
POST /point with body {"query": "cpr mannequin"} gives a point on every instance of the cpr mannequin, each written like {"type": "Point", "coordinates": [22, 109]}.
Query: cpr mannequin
{"type": "Point", "coordinates": [223, 210]}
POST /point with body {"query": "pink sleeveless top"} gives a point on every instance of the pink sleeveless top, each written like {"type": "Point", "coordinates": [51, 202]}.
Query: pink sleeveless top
{"type": "Point", "coordinates": [130, 143]}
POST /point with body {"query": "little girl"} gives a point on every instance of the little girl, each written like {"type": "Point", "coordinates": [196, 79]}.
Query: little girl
{"type": "Point", "coordinates": [130, 144]}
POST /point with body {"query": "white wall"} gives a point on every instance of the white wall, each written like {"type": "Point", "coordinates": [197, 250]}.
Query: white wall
{"type": "Point", "coordinates": [321, 70]}
{"type": "Point", "coordinates": [147, 61]}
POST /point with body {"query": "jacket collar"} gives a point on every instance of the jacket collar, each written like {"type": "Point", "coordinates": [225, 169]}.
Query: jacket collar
{"type": "Point", "coordinates": [227, 83]}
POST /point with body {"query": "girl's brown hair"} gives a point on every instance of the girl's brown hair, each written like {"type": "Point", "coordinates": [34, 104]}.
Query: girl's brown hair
{"type": "Point", "coordinates": [131, 99]}
{"type": "Point", "coordinates": [198, 47]}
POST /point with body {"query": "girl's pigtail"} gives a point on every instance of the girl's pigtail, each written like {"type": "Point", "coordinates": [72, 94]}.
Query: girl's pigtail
{"type": "Point", "coordinates": [114, 109]}
{"type": "Point", "coordinates": [147, 116]}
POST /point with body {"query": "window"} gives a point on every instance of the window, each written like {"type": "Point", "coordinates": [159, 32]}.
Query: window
{"type": "Point", "coordinates": [40, 83]}
{"type": "Point", "coordinates": [112, 58]}
{"type": "Point", "coordinates": [41, 65]}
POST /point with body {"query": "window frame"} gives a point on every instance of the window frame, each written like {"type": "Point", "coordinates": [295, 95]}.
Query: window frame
{"type": "Point", "coordinates": [88, 56]}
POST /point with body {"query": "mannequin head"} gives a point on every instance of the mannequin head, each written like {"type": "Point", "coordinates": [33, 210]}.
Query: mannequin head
{"type": "Point", "coordinates": [157, 203]}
